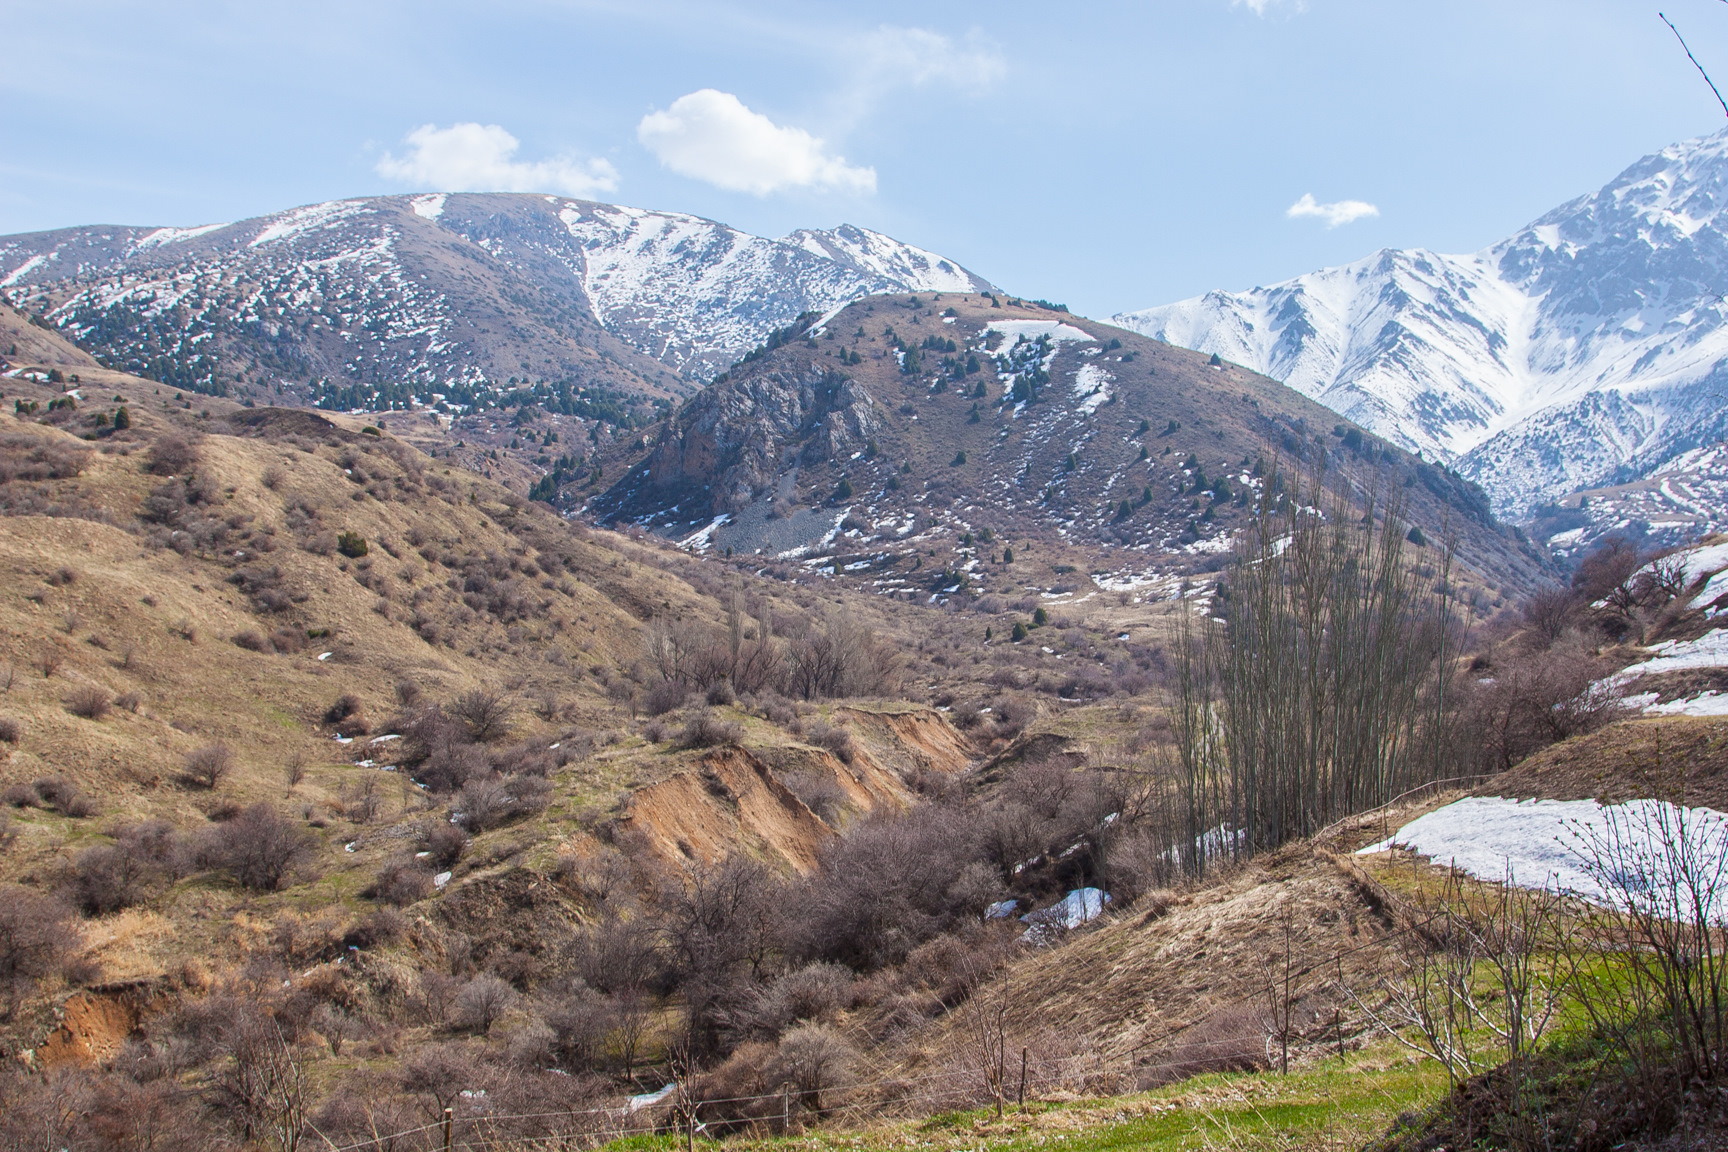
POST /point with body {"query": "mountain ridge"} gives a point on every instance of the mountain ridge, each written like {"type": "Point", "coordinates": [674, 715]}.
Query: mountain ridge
{"type": "Point", "coordinates": [906, 431]}
{"type": "Point", "coordinates": [379, 301]}
{"type": "Point", "coordinates": [1586, 348]}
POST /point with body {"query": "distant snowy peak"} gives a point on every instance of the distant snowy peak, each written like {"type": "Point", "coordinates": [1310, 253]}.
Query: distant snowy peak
{"type": "Point", "coordinates": [436, 273]}
{"type": "Point", "coordinates": [873, 254]}
{"type": "Point", "coordinates": [697, 294]}
{"type": "Point", "coordinates": [1589, 345]}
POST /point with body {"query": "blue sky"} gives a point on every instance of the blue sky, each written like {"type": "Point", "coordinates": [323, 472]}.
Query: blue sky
{"type": "Point", "coordinates": [1108, 155]}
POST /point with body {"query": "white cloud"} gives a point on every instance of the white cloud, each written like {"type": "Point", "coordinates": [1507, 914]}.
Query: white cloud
{"type": "Point", "coordinates": [478, 158]}
{"type": "Point", "coordinates": [710, 135]}
{"type": "Point", "coordinates": [1336, 213]}
{"type": "Point", "coordinates": [918, 56]}
{"type": "Point", "coordinates": [1260, 7]}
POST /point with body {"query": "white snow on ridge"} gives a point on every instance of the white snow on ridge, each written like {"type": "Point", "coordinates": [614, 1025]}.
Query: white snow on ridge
{"type": "Point", "coordinates": [430, 206]}
{"type": "Point", "coordinates": [174, 235]}
{"type": "Point", "coordinates": [1014, 331]}
{"type": "Point", "coordinates": [1560, 845]}
{"type": "Point", "coordinates": [1593, 340]}
{"type": "Point", "coordinates": [314, 216]}
{"type": "Point", "coordinates": [24, 269]}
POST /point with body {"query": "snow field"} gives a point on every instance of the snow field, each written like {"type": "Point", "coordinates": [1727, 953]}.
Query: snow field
{"type": "Point", "coordinates": [1644, 852]}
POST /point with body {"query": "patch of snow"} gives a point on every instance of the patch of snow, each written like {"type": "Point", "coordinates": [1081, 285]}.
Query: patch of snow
{"type": "Point", "coordinates": [1014, 331]}
{"type": "Point", "coordinates": [314, 216]}
{"type": "Point", "coordinates": [649, 1099]}
{"type": "Point", "coordinates": [173, 236]}
{"type": "Point", "coordinates": [1560, 845]}
{"type": "Point", "coordinates": [1092, 387]}
{"type": "Point", "coordinates": [1077, 908]}
{"type": "Point", "coordinates": [430, 206]}
{"type": "Point", "coordinates": [703, 540]}
{"type": "Point", "coordinates": [440, 880]}
{"type": "Point", "coordinates": [1708, 651]}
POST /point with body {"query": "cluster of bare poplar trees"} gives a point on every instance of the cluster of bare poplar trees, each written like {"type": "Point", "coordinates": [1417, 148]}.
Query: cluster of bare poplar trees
{"type": "Point", "coordinates": [1318, 687]}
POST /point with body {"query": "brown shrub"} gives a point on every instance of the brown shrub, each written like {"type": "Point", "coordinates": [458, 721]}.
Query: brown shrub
{"type": "Point", "coordinates": [89, 701]}
{"type": "Point", "coordinates": [485, 713]}
{"type": "Point", "coordinates": [344, 706]}
{"type": "Point", "coordinates": [832, 737]}
{"type": "Point", "coordinates": [482, 1001]}
{"type": "Point", "coordinates": [108, 878]}
{"type": "Point", "coordinates": [24, 457]}
{"type": "Point", "coordinates": [172, 455]}
{"type": "Point", "coordinates": [10, 730]}
{"type": "Point", "coordinates": [34, 938]}
{"type": "Point", "coordinates": [665, 696]}
{"type": "Point", "coordinates": [258, 848]}
{"type": "Point", "coordinates": [709, 730]}
{"type": "Point", "coordinates": [401, 882]}
{"type": "Point", "coordinates": [207, 766]}
{"type": "Point", "coordinates": [444, 841]}
{"type": "Point", "coordinates": [250, 641]}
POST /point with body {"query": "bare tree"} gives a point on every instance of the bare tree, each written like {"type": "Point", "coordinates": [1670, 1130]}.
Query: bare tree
{"type": "Point", "coordinates": [264, 1083]}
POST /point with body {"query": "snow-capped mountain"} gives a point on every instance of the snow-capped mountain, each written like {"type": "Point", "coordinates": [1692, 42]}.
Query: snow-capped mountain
{"type": "Point", "coordinates": [1589, 348]}
{"type": "Point", "coordinates": [371, 301]}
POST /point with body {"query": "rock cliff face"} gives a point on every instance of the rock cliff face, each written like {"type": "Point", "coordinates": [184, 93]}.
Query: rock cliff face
{"type": "Point", "coordinates": [736, 438]}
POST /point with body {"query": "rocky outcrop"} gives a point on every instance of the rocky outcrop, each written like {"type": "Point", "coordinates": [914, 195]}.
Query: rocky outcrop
{"type": "Point", "coordinates": [735, 438]}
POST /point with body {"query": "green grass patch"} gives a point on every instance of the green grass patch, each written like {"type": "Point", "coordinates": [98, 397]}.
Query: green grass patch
{"type": "Point", "coordinates": [1337, 1104]}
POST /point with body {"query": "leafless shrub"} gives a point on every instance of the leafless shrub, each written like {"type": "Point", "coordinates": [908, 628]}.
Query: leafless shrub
{"type": "Point", "coordinates": [482, 1001]}
{"type": "Point", "coordinates": [172, 455]}
{"type": "Point", "coordinates": [108, 878]}
{"type": "Point", "coordinates": [820, 793]}
{"type": "Point", "coordinates": [259, 848]}
{"type": "Point", "coordinates": [345, 706]}
{"type": "Point", "coordinates": [444, 841]}
{"type": "Point", "coordinates": [485, 712]}
{"type": "Point", "coordinates": [833, 737]}
{"type": "Point", "coordinates": [19, 796]}
{"type": "Point", "coordinates": [400, 882]}
{"type": "Point", "coordinates": [274, 476]}
{"type": "Point", "coordinates": [1664, 994]}
{"type": "Point", "coordinates": [294, 770]}
{"type": "Point", "coordinates": [251, 641]}
{"type": "Point", "coordinates": [129, 701]}
{"type": "Point", "coordinates": [49, 662]}
{"type": "Point", "coordinates": [89, 701]}
{"type": "Point", "coordinates": [489, 801]}
{"type": "Point", "coordinates": [812, 1058]}
{"type": "Point", "coordinates": [407, 693]}
{"type": "Point", "coordinates": [34, 937]}
{"type": "Point", "coordinates": [206, 767]}
{"type": "Point", "coordinates": [709, 730]}
{"type": "Point", "coordinates": [10, 730]}
{"type": "Point", "coordinates": [665, 696]}
{"type": "Point", "coordinates": [64, 797]}
{"type": "Point", "coordinates": [843, 659]}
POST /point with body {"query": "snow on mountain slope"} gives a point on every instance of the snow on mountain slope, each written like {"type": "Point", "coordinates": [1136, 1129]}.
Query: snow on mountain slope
{"type": "Point", "coordinates": [376, 301]}
{"type": "Point", "coordinates": [696, 294]}
{"type": "Point", "coordinates": [1586, 349]}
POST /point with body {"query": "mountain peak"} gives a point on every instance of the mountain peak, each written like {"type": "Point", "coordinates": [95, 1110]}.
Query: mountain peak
{"type": "Point", "coordinates": [385, 300]}
{"type": "Point", "coordinates": [1589, 343]}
